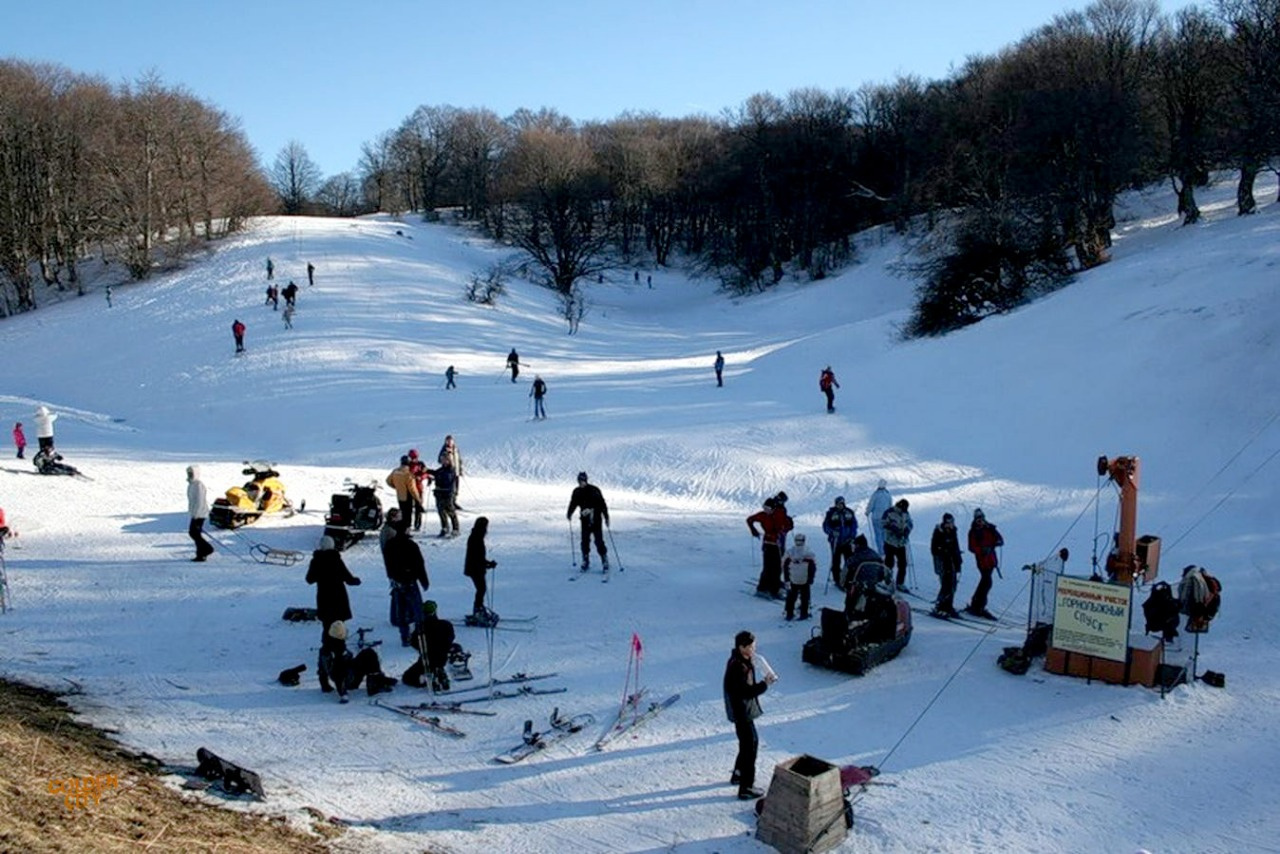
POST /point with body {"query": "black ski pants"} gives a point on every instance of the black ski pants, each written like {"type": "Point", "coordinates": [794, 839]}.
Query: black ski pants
{"type": "Point", "coordinates": [748, 747]}
{"type": "Point", "coordinates": [195, 530]}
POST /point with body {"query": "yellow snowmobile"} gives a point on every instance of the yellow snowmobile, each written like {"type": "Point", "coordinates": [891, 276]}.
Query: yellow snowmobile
{"type": "Point", "coordinates": [244, 505]}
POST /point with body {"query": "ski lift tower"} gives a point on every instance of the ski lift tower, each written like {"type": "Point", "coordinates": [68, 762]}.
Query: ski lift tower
{"type": "Point", "coordinates": [1133, 556]}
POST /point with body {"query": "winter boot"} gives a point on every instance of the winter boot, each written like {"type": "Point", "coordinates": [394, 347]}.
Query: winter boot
{"type": "Point", "coordinates": [586, 564]}
{"type": "Point", "coordinates": [605, 562]}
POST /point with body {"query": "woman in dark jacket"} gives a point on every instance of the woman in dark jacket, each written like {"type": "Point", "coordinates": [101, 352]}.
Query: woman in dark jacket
{"type": "Point", "coordinates": [477, 562]}
{"type": "Point", "coordinates": [407, 572]}
{"type": "Point", "coordinates": [741, 697]}
{"type": "Point", "coordinates": [945, 548]}
{"type": "Point", "coordinates": [331, 577]}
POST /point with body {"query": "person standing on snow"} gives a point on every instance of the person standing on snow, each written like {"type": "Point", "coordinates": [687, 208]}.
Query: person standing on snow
{"type": "Point", "coordinates": [841, 526]}
{"type": "Point", "coordinates": [513, 362]}
{"type": "Point", "coordinates": [742, 704]}
{"type": "Point", "coordinates": [331, 577]}
{"type": "Point", "coordinates": [945, 548]}
{"type": "Point", "coordinates": [288, 316]}
{"type": "Point", "coordinates": [449, 374]}
{"type": "Point", "coordinates": [477, 563]}
{"type": "Point", "coordinates": [897, 534]}
{"type": "Point", "coordinates": [984, 539]}
{"type": "Point", "coordinates": [449, 451]}
{"type": "Point", "coordinates": [403, 482]}
{"type": "Point", "coordinates": [593, 515]}
{"type": "Point", "coordinates": [719, 366]}
{"type": "Point", "coordinates": [421, 476]}
{"type": "Point", "coordinates": [407, 572]}
{"type": "Point", "coordinates": [538, 391]}
{"type": "Point", "coordinates": [290, 293]}
{"type": "Point", "coordinates": [198, 511]}
{"type": "Point", "coordinates": [237, 330]}
{"type": "Point", "coordinates": [271, 270]}
{"type": "Point", "coordinates": [827, 383]}
{"type": "Point", "coordinates": [799, 568]}
{"type": "Point", "coordinates": [879, 502]}
{"type": "Point", "coordinates": [44, 427]}
{"type": "Point", "coordinates": [19, 440]}
{"type": "Point", "coordinates": [774, 523]}
{"type": "Point", "coordinates": [446, 489]}
{"type": "Point", "coordinates": [311, 274]}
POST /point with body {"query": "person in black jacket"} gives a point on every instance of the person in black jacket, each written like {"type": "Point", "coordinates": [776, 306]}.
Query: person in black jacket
{"type": "Point", "coordinates": [331, 577]}
{"type": "Point", "coordinates": [945, 548]}
{"type": "Point", "coordinates": [742, 702]}
{"type": "Point", "coordinates": [445, 491]}
{"type": "Point", "coordinates": [593, 516]}
{"type": "Point", "coordinates": [433, 638]}
{"type": "Point", "coordinates": [477, 562]}
{"type": "Point", "coordinates": [407, 572]}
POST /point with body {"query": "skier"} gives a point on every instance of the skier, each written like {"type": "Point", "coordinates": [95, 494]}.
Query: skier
{"type": "Point", "coordinates": [271, 270]}
{"type": "Point", "coordinates": [538, 392]}
{"type": "Point", "coordinates": [311, 274]}
{"type": "Point", "coordinates": [827, 382]}
{"type": "Point", "coordinates": [984, 539]}
{"type": "Point", "coordinates": [44, 427]}
{"type": "Point", "coordinates": [449, 374]}
{"type": "Point", "coordinates": [841, 526]}
{"type": "Point", "coordinates": [290, 293]}
{"type": "Point", "coordinates": [198, 510]}
{"type": "Point", "coordinates": [774, 523]}
{"type": "Point", "coordinates": [237, 329]}
{"type": "Point", "coordinates": [945, 548]}
{"type": "Point", "coordinates": [897, 534]}
{"type": "Point", "coordinates": [273, 297]}
{"type": "Point", "coordinates": [742, 704]}
{"type": "Point", "coordinates": [288, 316]}
{"type": "Point", "coordinates": [592, 517]}
{"type": "Point", "coordinates": [407, 572]}
{"type": "Point", "coordinates": [477, 563]}
{"type": "Point", "coordinates": [402, 481]}
{"type": "Point", "coordinates": [800, 569]}
{"type": "Point", "coordinates": [446, 487]}
{"type": "Point", "coordinates": [433, 638]}
{"type": "Point", "coordinates": [513, 362]}
{"type": "Point", "coordinates": [421, 476]}
{"type": "Point", "coordinates": [879, 502]}
{"type": "Point", "coordinates": [449, 451]}
{"type": "Point", "coordinates": [719, 366]}
{"type": "Point", "coordinates": [331, 577]}
{"type": "Point", "coordinates": [19, 440]}
{"type": "Point", "coordinates": [108, 293]}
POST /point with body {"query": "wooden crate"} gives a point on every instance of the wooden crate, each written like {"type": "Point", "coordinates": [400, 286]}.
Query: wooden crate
{"type": "Point", "coordinates": [804, 809]}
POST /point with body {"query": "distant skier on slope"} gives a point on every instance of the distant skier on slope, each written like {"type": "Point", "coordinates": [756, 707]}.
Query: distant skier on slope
{"type": "Point", "coordinates": [827, 383]}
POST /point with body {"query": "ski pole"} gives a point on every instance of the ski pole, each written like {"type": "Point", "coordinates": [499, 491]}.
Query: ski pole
{"type": "Point", "coordinates": [613, 544]}
{"type": "Point", "coordinates": [573, 563]}
{"type": "Point", "coordinates": [911, 566]}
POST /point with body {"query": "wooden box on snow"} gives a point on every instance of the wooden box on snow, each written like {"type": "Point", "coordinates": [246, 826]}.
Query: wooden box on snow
{"type": "Point", "coordinates": [804, 810]}
{"type": "Point", "coordinates": [1145, 655]}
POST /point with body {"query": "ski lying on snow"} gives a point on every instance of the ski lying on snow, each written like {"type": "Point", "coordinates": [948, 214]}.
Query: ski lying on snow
{"type": "Point", "coordinates": [625, 724]}
{"type": "Point", "coordinates": [972, 618]}
{"type": "Point", "coordinates": [427, 720]}
{"type": "Point", "coordinates": [448, 709]}
{"type": "Point", "coordinates": [984, 627]}
{"type": "Point", "coordinates": [513, 679]}
{"type": "Point", "coordinates": [535, 742]}
{"type": "Point", "coordinates": [522, 691]}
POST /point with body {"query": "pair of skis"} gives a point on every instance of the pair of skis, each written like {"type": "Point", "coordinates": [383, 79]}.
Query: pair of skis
{"type": "Point", "coordinates": [432, 722]}
{"type": "Point", "coordinates": [513, 679]}
{"type": "Point", "coordinates": [502, 624]}
{"type": "Point", "coordinates": [630, 716]}
{"type": "Point", "coordinates": [536, 742]}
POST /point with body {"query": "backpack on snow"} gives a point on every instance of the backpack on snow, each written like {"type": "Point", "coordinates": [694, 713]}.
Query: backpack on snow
{"type": "Point", "coordinates": [1160, 611]}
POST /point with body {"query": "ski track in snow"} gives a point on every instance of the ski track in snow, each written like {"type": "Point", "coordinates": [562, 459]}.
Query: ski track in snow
{"type": "Point", "coordinates": [175, 655]}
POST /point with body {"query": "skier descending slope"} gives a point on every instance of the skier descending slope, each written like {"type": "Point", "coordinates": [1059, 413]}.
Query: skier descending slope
{"type": "Point", "coordinates": [593, 516]}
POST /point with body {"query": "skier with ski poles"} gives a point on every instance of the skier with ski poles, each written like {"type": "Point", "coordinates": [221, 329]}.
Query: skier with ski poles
{"type": "Point", "coordinates": [593, 516]}
{"type": "Point", "coordinates": [513, 362]}
{"type": "Point", "coordinates": [538, 392]}
{"type": "Point", "coordinates": [984, 539]}
{"type": "Point", "coordinates": [841, 526]}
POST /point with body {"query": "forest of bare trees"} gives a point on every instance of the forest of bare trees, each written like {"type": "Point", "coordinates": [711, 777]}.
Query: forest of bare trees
{"type": "Point", "coordinates": [129, 174]}
{"type": "Point", "coordinates": [1011, 165]}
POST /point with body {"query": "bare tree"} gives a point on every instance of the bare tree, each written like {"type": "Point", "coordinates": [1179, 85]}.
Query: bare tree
{"type": "Point", "coordinates": [295, 177]}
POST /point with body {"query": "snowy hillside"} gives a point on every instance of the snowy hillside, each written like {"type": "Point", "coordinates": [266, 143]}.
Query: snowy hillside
{"type": "Point", "coordinates": [1169, 353]}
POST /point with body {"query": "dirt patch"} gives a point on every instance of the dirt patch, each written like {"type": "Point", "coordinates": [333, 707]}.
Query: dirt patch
{"type": "Point", "coordinates": [126, 808]}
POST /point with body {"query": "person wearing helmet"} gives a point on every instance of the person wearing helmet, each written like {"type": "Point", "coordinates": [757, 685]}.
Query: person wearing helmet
{"type": "Point", "coordinates": [799, 568]}
{"type": "Point", "coordinates": [421, 476]}
{"type": "Point", "coordinates": [984, 539]}
{"type": "Point", "coordinates": [593, 515]}
{"type": "Point", "coordinates": [945, 548]}
{"type": "Point", "coordinates": [841, 526]}
{"type": "Point", "coordinates": [774, 525]}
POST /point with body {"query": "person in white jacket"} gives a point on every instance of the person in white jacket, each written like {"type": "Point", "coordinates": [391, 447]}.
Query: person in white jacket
{"type": "Point", "coordinates": [44, 427]}
{"type": "Point", "coordinates": [198, 508]}
{"type": "Point", "coordinates": [799, 568]}
{"type": "Point", "coordinates": [880, 501]}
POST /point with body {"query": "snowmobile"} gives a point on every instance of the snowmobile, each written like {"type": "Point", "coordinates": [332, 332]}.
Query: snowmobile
{"type": "Point", "coordinates": [244, 505]}
{"type": "Point", "coordinates": [49, 461]}
{"type": "Point", "coordinates": [874, 627]}
{"type": "Point", "coordinates": [353, 513]}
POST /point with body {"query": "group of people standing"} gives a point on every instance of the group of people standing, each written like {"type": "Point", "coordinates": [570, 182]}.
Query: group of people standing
{"type": "Point", "coordinates": [411, 478]}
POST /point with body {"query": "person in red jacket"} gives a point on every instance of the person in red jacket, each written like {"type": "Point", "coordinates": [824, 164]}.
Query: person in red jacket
{"type": "Point", "coordinates": [984, 539]}
{"type": "Point", "coordinates": [19, 439]}
{"type": "Point", "coordinates": [237, 329]}
{"type": "Point", "coordinates": [774, 523]}
{"type": "Point", "coordinates": [827, 383]}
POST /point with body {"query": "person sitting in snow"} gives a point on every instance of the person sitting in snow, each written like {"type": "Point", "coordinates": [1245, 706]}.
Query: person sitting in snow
{"type": "Point", "coordinates": [339, 670]}
{"type": "Point", "coordinates": [433, 639]}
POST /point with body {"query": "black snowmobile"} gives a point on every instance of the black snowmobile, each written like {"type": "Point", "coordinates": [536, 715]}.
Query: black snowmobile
{"type": "Point", "coordinates": [49, 461]}
{"type": "Point", "coordinates": [874, 627]}
{"type": "Point", "coordinates": [353, 513]}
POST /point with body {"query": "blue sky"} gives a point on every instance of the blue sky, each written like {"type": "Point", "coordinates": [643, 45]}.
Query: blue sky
{"type": "Point", "coordinates": [334, 74]}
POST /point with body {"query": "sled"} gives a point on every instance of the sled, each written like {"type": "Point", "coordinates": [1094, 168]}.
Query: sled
{"type": "Point", "coordinates": [276, 557]}
{"type": "Point", "coordinates": [244, 505]}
